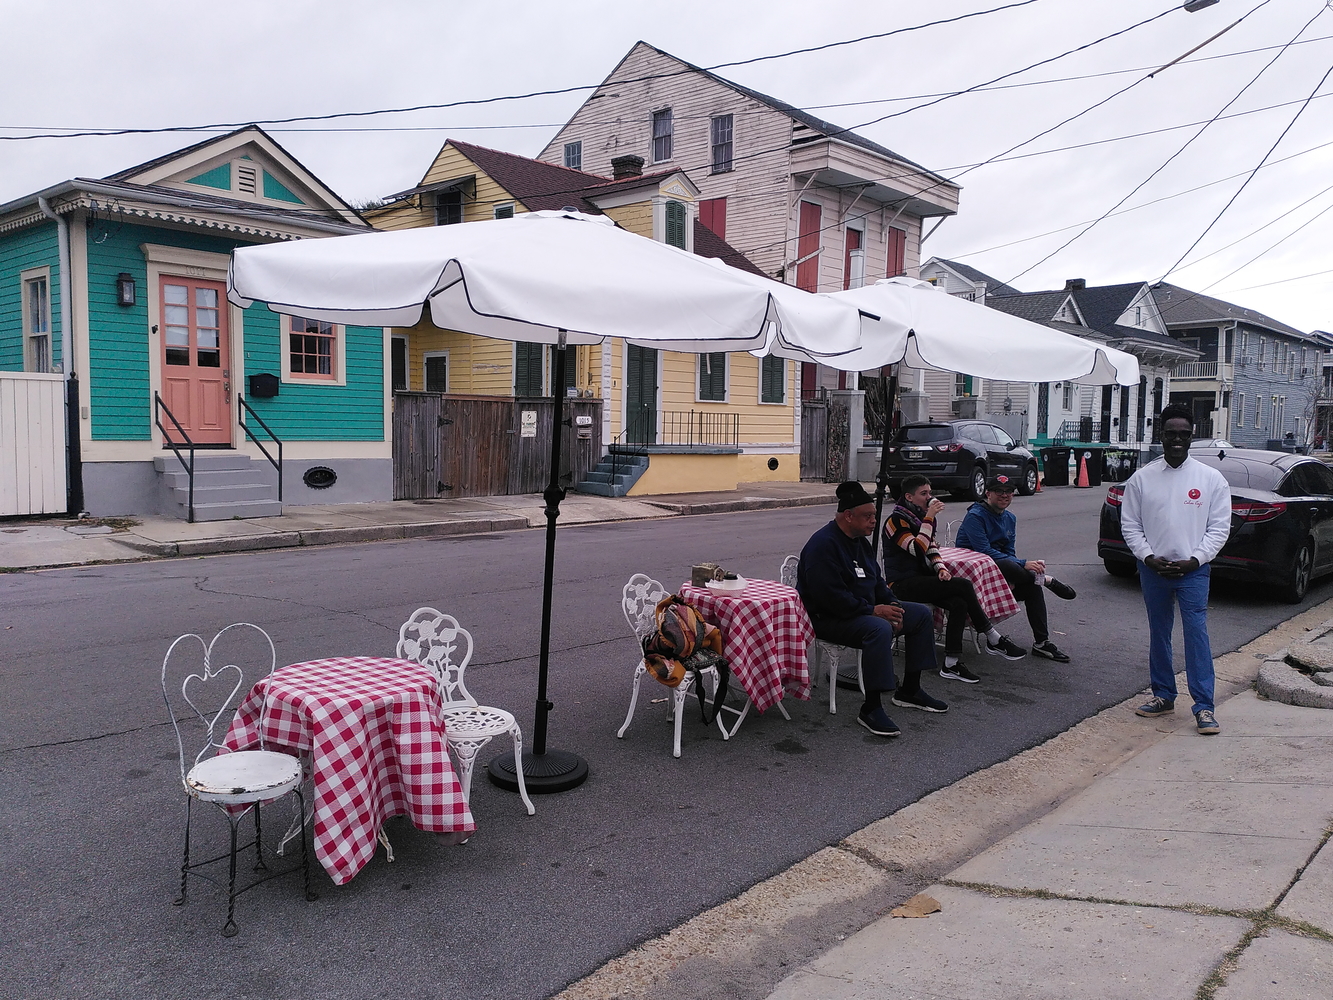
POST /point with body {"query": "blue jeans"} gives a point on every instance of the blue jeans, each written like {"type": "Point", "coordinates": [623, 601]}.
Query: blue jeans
{"type": "Point", "coordinates": [1160, 595]}
{"type": "Point", "coordinates": [874, 638]}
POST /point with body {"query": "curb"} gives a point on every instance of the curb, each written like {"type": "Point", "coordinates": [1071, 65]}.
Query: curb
{"type": "Point", "coordinates": [731, 506]}
{"type": "Point", "coordinates": [1280, 681]}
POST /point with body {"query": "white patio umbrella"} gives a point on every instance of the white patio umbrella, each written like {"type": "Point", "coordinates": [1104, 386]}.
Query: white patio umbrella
{"type": "Point", "coordinates": [546, 277]}
{"type": "Point", "coordinates": [924, 327]}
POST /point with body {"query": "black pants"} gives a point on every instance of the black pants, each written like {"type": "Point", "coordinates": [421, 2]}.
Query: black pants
{"type": "Point", "coordinates": [957, 596]}
{"type": "Point", "coordinates": [1023, 582]}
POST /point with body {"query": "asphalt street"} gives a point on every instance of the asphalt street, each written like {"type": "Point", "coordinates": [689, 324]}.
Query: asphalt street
{"type": "Point", "coordinates": [92, 812]}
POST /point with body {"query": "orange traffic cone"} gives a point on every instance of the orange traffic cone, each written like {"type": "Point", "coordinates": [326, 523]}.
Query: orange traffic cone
{"type": "Point", "coordinates": [1083, 471]}
{"type": "Point", "coordinates": [1038, 489]}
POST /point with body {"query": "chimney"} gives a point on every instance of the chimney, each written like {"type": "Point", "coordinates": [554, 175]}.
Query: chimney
{"type": "Point", "coordinates": [1075, 285]}
{"type": "Point", "coordinates": [626, 166]}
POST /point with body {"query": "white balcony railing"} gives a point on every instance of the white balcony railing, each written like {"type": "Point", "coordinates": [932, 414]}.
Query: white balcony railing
{"type": "Point", "coordinates": [1195, 369]}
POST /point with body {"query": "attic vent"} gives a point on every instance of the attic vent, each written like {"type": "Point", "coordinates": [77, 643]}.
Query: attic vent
{"type": "Point", "coordinates": [246, 179]}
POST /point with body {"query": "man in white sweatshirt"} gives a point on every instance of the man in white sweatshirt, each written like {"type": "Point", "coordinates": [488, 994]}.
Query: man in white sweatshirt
{"type": "Point", "coordinates": [1175, 517]}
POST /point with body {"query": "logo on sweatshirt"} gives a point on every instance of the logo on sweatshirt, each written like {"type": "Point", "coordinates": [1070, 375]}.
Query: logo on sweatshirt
{"type": "Point", "coordinates": [1195, 494]}
{"type": "Point", "coordinates": [1194, 498]}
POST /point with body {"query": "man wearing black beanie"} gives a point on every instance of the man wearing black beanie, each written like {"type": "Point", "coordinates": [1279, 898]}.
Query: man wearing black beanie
{"type": "Point", "coordinates": [849, 604]}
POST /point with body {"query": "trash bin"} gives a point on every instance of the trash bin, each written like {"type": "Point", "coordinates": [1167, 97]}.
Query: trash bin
{"type": "Point", "coordinates": [1055, 466]}
{"type": "Point", "coordinates": [1092, 458]}
{"type": "Point", "coordinates": [1118, 465]}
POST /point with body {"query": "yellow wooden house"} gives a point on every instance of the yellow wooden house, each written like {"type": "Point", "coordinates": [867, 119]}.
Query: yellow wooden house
{"type": "Point", "coordinates": [702, 422]}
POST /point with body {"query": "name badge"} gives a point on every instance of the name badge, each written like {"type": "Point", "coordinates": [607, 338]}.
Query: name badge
{"type": "Point", "coordinates": [860, 572]}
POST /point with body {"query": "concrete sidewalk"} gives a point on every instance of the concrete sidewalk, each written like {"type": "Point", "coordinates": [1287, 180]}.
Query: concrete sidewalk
{"type": "Point", "coordinates": [40, 544]}
{"type": "Point", "coordinates": [1124, 858]}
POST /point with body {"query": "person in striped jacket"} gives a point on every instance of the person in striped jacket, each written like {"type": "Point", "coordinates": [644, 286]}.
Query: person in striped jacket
{"type": "Point", "coordinates": [915, 572]}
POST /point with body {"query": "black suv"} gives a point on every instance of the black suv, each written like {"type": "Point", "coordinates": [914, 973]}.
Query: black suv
{"type": "Point", "coordinates": [960, 455]}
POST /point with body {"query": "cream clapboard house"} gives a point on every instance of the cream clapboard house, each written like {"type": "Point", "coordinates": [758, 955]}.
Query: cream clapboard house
{"type": "Point", "coordinates": [705, 422]}
{"type": "Point", "coordinates": [808, 202]}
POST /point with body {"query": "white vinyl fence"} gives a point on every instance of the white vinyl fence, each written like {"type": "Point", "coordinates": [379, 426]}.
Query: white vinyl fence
{"type": "Point", "coordinates": [32, 443]}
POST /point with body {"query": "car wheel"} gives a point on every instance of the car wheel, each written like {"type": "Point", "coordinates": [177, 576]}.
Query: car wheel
{"type": "Point", "coordinates": [1298, 577]}
{"type": "Point", "coordinates": [1029, 483]}
{"type": "Point", "coordinates": [978, 484]}
{"type": "Point", "coordinates": [1120, 568]}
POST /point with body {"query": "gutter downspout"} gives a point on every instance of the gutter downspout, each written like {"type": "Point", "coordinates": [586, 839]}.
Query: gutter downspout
{"type": "Point", "coordinates": [74, 461]}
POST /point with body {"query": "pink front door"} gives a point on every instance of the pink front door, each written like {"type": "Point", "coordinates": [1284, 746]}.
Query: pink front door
{"type": "Point", "coordinates": [196, 365]}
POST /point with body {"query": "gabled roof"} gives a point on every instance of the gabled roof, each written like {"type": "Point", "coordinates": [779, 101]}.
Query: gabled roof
{"type": "Point", "coordinates": [1181, 307]}
{"type": "Point", "coordinates": [1102, 305]}
{"type": "Point", "coordinates": [1039, 307]}
{"type": "Point", "coordinates": [822, 128]}
{"type": "Point", "coordinates": [540, 186]}
{"type": "Point", "coordinates": [994, 286]}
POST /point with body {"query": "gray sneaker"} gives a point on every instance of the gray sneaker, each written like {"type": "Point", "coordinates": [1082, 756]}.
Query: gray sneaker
{"type": "Point", "coordinates": [1207, 723]}
{"type": "Point", "coordinates": [1154, 707]}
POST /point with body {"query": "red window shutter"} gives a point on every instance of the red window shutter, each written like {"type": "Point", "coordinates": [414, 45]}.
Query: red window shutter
{"type": "Point", "coordinates": [897, 253]}
{"type": "Point", "coordinates": [807, 243]}
{"type": "Point", "coordinates": [853, 243]}
{"type": "Point", "coordinates": [713, 214]}
{"type": "Point", "coordinates": [808, 372]}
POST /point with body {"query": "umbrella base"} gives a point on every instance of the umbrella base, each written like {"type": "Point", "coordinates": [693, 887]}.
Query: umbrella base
{"type": "Point", "coordinates": [553, 771]}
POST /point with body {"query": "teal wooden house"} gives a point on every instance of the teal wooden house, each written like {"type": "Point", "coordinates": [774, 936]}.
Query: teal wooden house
{"type": "Point", "coordinates": [119, 286]}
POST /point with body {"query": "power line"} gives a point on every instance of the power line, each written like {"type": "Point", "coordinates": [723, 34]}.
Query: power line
{"type": "Point", "coordinates": [552, 92]}
{"type": "Point", "coordinates": [1232, 200]}
{"type": "Point", "coordinates": [1171, 159]}
{"type": "Point", "coordinates": [1270, 248]}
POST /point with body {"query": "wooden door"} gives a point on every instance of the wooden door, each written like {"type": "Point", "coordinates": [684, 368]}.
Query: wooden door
{"type": "Point", "coordinates": [196, 359]}
{"type": "Point", "coordinates": [641, 395]}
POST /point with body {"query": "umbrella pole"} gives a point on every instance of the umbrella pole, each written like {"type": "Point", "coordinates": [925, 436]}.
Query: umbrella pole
{"type": "Point", "coordinates": [890, 385]}
{"type": "Point", "coordinates": [546, 770]}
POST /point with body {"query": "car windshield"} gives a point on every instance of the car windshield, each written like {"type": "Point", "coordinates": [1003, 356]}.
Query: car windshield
{"type": "Point", "coordinates": [923, 435]}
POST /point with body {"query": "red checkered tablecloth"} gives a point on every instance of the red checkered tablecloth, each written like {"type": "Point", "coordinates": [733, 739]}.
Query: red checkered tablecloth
{"type": "Point", "coordinates": [765, 632]}
{"type": "Point", "coordinates": [993, 592]}
{"type": "Point", "coordinates": [375, 734]}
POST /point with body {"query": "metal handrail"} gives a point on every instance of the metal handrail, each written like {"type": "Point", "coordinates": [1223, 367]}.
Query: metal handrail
{"type": "Point", "coordinates": [260, 444]}
{"type": "Point", "coordinates": [189, 469]}
{"type": "Point", "coordinates": [620, 446]}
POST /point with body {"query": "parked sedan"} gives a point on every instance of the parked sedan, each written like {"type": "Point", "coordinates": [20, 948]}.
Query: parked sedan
{"type": "Point", "coordinates": [960, 455]}
{"type": "Point", "coordinates": [1281, 521]}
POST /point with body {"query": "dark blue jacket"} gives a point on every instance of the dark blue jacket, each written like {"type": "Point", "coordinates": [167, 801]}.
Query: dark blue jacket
{"type": "Point", "coordinates": [827, 579]}
{"type": "Point", "coordinates": [983, 530]}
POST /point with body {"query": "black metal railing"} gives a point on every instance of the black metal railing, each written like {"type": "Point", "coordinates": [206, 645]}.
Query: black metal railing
{"type": "Point", "coordinates": [1085, 430]}
{"type": "Point", "coordinates": [699, 429]}
{"type": "Point", "coordinates": [159, 408]}
{"type": "Point", "coordinates": [276, 463]}
{"type": "Point", "coordinates": [624, 447]}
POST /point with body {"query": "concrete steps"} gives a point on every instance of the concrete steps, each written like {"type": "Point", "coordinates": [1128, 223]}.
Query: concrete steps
{"type": "Point", "coordinates": [226, 485]}
{"type": "Point", "coordinates": [614, 475]}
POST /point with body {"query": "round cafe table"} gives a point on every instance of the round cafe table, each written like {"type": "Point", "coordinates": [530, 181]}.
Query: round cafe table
{"type": "Point", "coordinates": [374, 730]}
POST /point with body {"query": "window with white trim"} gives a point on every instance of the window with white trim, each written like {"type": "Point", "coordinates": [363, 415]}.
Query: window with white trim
{"type": "Point", "coordinates": [662, 135]}
{"type": "Point", "coordinates": [713, 377]}
{"type": "Point", "coordinates": [1240, 409]}
{"type": "Point", "coordinates": [503, 211]}
{"type": "Point", "coordinates": [436, 365]}
{"type": "Point", "coordinates": [1069, 396]}
{"type": "Point", "coordinates": [721, 128]}
{"type": "Point", "coordinates": [312, 350]}
{"type": "Point", "coordinates": [37, 321]}
{"type": "Point", "coordinates": [574, 155]}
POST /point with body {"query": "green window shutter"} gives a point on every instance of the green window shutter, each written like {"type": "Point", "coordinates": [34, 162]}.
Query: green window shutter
{"type": "Point", "coordinates": [275, 189]}
{"type": "Point", "coordinates": [713, 377]}
{"type": "Point", "coordinates": [675, 224]}
{"type": "Point", "coordinates": [527, 369]}
{"type": "Point", "coordinates": [773, 380]}
{"type": "Point", "coordinates": [219, 177]}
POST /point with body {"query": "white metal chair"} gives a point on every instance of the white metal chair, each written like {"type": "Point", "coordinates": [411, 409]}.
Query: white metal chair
{"type": "Point", "coordinates": [639, 601]}
{"type": "Point", "coordinates": [235, 782]}
{"type": "Point", "coordinates": [828, 654]}
{"type": "Point", "coordinates": [437, 641]}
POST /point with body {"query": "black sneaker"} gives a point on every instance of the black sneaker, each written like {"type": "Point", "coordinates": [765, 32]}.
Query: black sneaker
{"type": "Point", "coordinates": [959, 672]}
{"type": "Point", "coordinates": [1154, 707]}
{"type": "Point", "coordinates": [1051, 651]}
{"type": "Point", "coordinates": [1205, 720]}
{"type": "Point", "coordinates": [1007, 648]}
{"type": "Point", "coordinates": [1061, 590]}
{"type": "Point", "coordinates": [919, 699]}
{"type": "Point", "coordinates": [878, 722]}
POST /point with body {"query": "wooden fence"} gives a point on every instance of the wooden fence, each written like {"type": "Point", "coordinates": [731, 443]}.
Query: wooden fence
{"type": "Point", "coordinates": [814, 440]}
{"type": "Point", "coordinates": [476, 446]}
{"type": "Point", "coordinates": [32, 443]}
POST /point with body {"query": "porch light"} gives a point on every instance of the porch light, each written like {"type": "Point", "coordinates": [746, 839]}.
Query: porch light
{"type": "Point", "coordinates": [125, 289]}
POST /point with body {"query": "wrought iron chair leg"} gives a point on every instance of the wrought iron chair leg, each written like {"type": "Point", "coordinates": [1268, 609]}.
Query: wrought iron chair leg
{"type": "Point", "coordinates": [633, 700]}
{"type": "Point", "coordinates": [305, 857]}
{"type": "Point", "coordinates": [259, 845]}
{"type": "Point", "coordinates": [185, 861]}
{"type": "Point", "coordinates": [229, 928]}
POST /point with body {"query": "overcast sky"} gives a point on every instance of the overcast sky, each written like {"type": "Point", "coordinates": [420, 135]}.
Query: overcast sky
{"type": "Point", "coordinates": [153, 64]}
